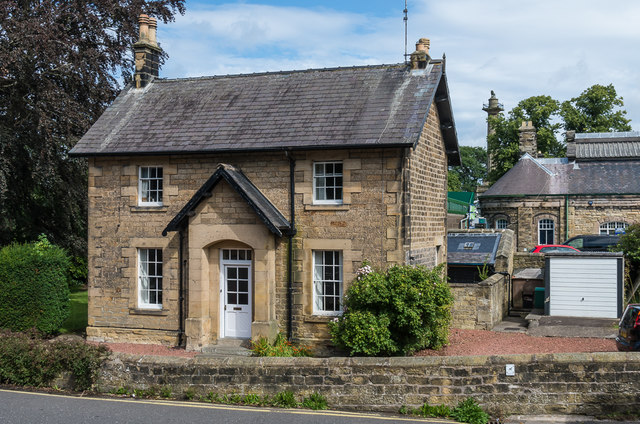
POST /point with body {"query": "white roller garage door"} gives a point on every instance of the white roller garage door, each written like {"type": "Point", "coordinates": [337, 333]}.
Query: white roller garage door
{"type": "Point", "coordinates": [583, 286]}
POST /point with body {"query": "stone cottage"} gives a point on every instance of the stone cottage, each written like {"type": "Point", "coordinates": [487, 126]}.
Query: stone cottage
{"type": "Point", "coordinates": [241, 206]}
{"type": "Point", "coordinates": [594, 190]}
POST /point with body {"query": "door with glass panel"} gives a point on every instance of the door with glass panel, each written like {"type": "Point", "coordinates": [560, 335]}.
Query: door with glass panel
{"type": "Point", "coordinates": [235, 293]}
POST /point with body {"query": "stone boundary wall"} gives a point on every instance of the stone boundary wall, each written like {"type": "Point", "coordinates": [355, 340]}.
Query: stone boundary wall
{"type": "Point", "coordinates": [584, 383]}
{"type": "Point", "coordinates": [528, 260]}
{"type": "Point", "coordinates": [479, 306]}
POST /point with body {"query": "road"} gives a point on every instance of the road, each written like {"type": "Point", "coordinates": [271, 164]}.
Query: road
{"type": "Point", "coordinates": [17, 407]}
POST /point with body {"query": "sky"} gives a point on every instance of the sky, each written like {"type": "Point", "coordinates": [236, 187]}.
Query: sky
{"type": "Point", "coordinates": [518, 49]}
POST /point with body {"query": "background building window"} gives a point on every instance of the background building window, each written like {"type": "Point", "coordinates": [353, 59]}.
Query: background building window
{"type": "Point", "coordinates": [611, 227]}
{"type": "Point", "coordinates": [150, 186]}
{"type": "Point", "coordinates": [501, 224]}
{"type": "Point", "coordinates": [546, 231]}
{"type": "Point", "coordinates": [327, 182]}
{"type": "Point", "coordinates": [150, 278]}
{"type": "Point", "coordinates": [327, 282]}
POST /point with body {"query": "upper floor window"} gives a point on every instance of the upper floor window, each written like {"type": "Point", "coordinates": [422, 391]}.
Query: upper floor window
{"type": "Point", "coordinates": [546, 230]}
{"type": "Point", "coordinates": [327, 282]}
{"type": "Point", "coordinates": [327, 182]}
{"type": "Point", "coordinates": [150, 278]}
{"type": "Point", "coordinates": [150, 186]}
{"type": "Point", "coordinates": [611, 227]}
{"type": "Point", "coordinates": [501, 224]}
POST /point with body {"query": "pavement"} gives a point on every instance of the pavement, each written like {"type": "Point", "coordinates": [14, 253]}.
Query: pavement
{"type": "Point", "coordinates": [549, 419]}
{"type": "Point", "coordinates": [535, 323]}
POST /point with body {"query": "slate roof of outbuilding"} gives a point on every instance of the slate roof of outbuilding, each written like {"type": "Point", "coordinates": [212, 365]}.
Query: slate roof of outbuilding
{"type": "Point", "coordinates": [533, 177]}
{"type": "Point", "coordinates": [384, 105]}
{"type": "Point", "coordinates": [612, 145]}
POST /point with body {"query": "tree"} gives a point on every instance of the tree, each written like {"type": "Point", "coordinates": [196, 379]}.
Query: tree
{"type": "Point", "coordinates": [504, 143]}
{"type": "Point", "coordinates": [59, 63]}
{"type": "Point", "coordinates": [595, 110]}
{"type": "Point", "coordinates": [629, 243]}
{"type": "Point", "coordinates": [472, 171]}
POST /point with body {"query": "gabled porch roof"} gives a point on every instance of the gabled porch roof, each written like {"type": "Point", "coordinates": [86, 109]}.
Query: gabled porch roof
{"type": "Point", "coordinates": [268, 213]}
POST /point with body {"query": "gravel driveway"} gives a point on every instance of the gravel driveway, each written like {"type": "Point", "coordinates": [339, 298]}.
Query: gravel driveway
{"type": "Point", "coordinates": [461, 343]}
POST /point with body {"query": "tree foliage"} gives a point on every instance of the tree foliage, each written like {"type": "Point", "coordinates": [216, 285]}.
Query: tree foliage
{"type": "Point", "coordinates": [504, 143]}
{"type": "Point", "coordinates": [629, 243]}
{"type": "Point", "coordinates": [59, 66]}
{"type": "Point", "coordinates": [471, 172]}
{"type": "Point", "coordinates": [594, 110]}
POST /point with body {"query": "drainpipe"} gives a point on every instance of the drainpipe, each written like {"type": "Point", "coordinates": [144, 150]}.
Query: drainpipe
{"type": "Point", "coordinates": [566, 218]}
{"type": "Point", "coordinates": [292, 233]}
{"type": "Point", "coordinates": [181, 339]}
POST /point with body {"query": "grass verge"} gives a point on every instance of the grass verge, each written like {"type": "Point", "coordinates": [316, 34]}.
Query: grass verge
{"type": "Point", "coordinates": [77, 321]}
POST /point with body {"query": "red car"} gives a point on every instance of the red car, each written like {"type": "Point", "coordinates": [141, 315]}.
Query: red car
{"type": "Point", "coordinates": [547, 248]}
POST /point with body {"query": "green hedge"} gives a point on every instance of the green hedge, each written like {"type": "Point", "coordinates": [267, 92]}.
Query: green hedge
{"type": "Point", "coordinates": [398, 312]}
{"type": "Point", "coordinates": [34, 286]}
{"type": "Point", "coordinates": [28, 360]}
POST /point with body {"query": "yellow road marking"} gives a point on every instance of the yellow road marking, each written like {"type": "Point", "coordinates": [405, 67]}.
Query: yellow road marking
{"type": "Point", "coordinates": [185, 404]}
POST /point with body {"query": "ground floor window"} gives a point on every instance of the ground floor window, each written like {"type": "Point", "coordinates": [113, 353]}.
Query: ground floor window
{"type": "Point", "coordinates": [327, 282]}
{"type": "Point", "coordinates": [546, 229]}
{"type": "Point", "coordinates": [501, 224]}
{"type": "Point", "coordinates": [150, 278]}
{"type": "Point", "coordinates": [613, 227]}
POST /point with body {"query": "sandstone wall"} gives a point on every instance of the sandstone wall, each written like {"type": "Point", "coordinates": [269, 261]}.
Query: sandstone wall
{"type": "Point", "coordinates": [582, 383]}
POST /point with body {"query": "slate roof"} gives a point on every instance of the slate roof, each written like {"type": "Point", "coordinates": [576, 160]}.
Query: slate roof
{"type": "Point", "coordinates": [533, 177]}
{"type": "Point", "coordinates": [368, 106]}
{"type": "Point", "coordinates": [472, 248]}
{"type": "Point", "coordinates": [268, 213]}
{"type": "Point", "coordinates": [612, 145]}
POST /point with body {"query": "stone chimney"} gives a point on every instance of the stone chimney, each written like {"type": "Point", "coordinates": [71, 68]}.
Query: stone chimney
{"type": "Point", "coordinates": [420, 58]}
{"type": "Point", "coordinates": [527, 139]}
{"type": "Point", "coordinates": [147, 53]}
{"type": "Point", "coordinates": [571, 145]}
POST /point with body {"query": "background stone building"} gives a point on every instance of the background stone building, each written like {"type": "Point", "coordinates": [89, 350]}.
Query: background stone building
{"type": "Point", "coordinates": [594, 190]}
{"type": "Point", "coordinates": [241, 206]}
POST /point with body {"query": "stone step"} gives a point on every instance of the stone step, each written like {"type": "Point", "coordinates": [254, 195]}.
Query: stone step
{"type": "Point", "coordinates": [228, 347]}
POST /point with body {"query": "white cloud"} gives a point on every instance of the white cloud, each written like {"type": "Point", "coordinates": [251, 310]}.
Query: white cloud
{"type": "Point", "coordinates": [518, 49]}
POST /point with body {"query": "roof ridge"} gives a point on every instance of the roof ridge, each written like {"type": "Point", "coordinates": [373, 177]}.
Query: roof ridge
{"type": "Point", "coordinates": [293, 71]}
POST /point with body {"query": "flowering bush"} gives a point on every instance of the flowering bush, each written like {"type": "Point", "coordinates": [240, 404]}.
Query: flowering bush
{"type": "Point", "coordinates": [397, 312]}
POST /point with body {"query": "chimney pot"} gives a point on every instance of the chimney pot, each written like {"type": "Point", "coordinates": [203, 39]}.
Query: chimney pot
{"type": "Point", "coordinates": [144, 28]}
{"type": "Point", "coordinates": [153, 25]}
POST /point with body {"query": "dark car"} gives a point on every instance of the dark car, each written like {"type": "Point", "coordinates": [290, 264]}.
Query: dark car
{"type": "Point", "coordinates": [629, 332]}
{"type": "Point", "coordinates": [593, 243]}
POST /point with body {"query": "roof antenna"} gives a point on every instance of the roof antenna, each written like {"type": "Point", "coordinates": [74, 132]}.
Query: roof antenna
{"type": "Point", "coordinates": [406, 19]}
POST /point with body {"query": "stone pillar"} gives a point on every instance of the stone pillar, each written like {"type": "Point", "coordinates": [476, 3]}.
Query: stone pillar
{"type": "Point", "coordinates": [527, 139]}
{"type": "Point", "coordinates": [493, 108]}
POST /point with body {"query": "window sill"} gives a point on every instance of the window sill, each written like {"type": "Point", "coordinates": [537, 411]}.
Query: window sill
{"type": "Point", "coordinates": [154, 312]}
{"type": "Point", "coordinates": [321, 318]}
{"type": "Point", "coordinates": [152, 209]}
{"type": "Point", "coordinates": [336, 207]}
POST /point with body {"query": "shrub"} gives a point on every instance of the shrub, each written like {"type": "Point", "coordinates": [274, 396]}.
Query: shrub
{"type": "Point", "coordinates": [280, 347]}
{"type": "Point", "coordinates": [468, 411]}
{"type": "Point", "coordinates": [285, 399]}
{"type": "Point", "coordinates": [398, 312]}
{"type": "Point", "coordinates": [315, 401]}
{"type": "Point", "coordinates": [28, 360]}
{"type": "Point", "coordinates": [34, 286]}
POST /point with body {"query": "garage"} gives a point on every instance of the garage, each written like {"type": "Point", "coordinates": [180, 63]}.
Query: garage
{"type": "Point", "coordinates": [586, 285]}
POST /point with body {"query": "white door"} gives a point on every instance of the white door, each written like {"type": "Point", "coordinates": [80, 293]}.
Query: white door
{"type": "Point", "coordinates": [584, 287]}
{"type": "Point", "coordinates": [236, 298]}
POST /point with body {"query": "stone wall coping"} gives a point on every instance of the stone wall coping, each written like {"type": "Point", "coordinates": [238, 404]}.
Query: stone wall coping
{"type": "Point", "coordinates": [392, 362]}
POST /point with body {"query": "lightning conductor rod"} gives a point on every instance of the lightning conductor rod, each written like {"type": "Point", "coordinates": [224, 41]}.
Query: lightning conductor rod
{"type": "Point", "coordinates": [406, 20]}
